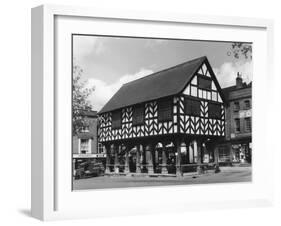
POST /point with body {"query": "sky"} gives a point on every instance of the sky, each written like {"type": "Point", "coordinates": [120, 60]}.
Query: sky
{"type": "Point", "coordinates": [109, 62]}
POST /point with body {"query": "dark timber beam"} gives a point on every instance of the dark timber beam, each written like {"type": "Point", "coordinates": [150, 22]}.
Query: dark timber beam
{"type": "Point", "coordinates": [178, 157]}
{"type": "Point", "coordinates": [107, 150]}
{"type": "Point", "coordinates": [164, 169]}
{"type": "Point", "coordinates": [149, 161]}
{"type": "Point", "coordinates": [138, 168]}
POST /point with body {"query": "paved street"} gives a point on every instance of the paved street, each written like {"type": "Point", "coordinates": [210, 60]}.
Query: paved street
{"type": "Point", "coordinates": [227, 174]}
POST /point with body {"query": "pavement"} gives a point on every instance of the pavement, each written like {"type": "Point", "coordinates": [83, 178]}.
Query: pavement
{"type": "Point", "coordinates": [227, 175]}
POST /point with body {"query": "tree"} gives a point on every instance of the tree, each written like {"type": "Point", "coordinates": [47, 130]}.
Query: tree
{"type": "Point", "coordinates": [80, 102]}
{"type": "Point", "coordinates": [240, 49]}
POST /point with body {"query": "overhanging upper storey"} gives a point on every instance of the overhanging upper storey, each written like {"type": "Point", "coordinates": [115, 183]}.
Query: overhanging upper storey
{"type": "Point", "coordinates": [184, 99]}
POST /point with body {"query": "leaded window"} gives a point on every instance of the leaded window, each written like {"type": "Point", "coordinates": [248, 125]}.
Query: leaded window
{"type": "Point", "coordinates": [248, 124]}
{"type": "Point", "coordinates": [204, 82]}
{"type": "Point", "coordinates": [214, 110]}
{"type": "Point", "coordinates": [116, 119]}
{"type": "Point", "coordinates": [138, 115]}
{"type": "Point", "coordinates": [165, 110]}
{"type": "Point", "coordinates": [192, 107]}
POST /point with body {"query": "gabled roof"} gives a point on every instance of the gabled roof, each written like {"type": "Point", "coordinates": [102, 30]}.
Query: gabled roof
{"type": "Point", "coordinates": [164, 83]}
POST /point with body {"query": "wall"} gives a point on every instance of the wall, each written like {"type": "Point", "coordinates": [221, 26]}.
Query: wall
{"type": "Point", "coordinates": [239, 96]}
{"type": "Point", "coordinates": [15, 100]}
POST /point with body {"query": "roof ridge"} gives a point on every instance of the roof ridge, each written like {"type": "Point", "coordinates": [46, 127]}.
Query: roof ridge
{"type": "Point", "coordinates": [166, 69]}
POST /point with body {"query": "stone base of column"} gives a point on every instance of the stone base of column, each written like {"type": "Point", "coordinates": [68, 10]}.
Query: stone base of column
{"type": "Point", "coordinates": [116, 169]}
{"type": "Point", "coordinates": [107, 170]}
{"type": "Point", "coordinates": [217, 168]}
{"type": "Point", "coordinates": [126, 170]}
{"type": "Point", "coordinates": [138, 169]}
{"type": "Point", "coordinates": [150, 169]}
{"type": "Point", "coordinates": [179, 173]}
{"type": "Point", "coordinates": [200, 170]}
{"type": "Point", "coordinates": [164, 170]}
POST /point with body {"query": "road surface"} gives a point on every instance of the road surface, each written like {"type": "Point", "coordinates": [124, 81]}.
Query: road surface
{"type": "Point", "coordinates": [227, 174]}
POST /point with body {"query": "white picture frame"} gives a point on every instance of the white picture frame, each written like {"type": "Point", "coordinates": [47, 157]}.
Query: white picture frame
{"type": "Point", "coordinates": [53, 199]}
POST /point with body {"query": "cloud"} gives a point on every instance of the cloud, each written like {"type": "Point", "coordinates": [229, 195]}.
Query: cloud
{"type": "Point", "coordinates": [86, 45]}
{"type": "Point", "coordinates": [103, 91]}
{"type": "Point", "coordinates": [151, 43]}
{"type": "Point", "coordinates": [227, 72]}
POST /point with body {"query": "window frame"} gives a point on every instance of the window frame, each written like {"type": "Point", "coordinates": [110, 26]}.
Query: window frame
{"type": "Point", "coordinates": [169, 102]}
{"type": "Point", "coordinates": [235, 126]}
{"type": "Point", "coordinates": [119, 126]}
{"type": "Point", "coordinates": [88, 151]}
{"type": "Point", "coordinates": [191, 112]}
{"type": "Point", "coordinates": [142, 107]}
{"type": "Point", "coordinates": [236, 103]}
{"type": "Point", "coordinates": [217, 104]}
{"type": "Point", "coordinates": [248, 129]}
{"type": "Point", "coordinates": [249, 105]}
{"type": "Point", "coordinates": [199, 76]}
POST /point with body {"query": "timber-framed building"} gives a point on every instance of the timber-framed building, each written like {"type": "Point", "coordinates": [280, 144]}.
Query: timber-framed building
{"type": "Point", "coordinates": [168, 122]}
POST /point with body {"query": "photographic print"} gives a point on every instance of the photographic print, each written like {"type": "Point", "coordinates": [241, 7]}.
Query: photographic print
{"type": "Point", "coordinates": [154, 112]}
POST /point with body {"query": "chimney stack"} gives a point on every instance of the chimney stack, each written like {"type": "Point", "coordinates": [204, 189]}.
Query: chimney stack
{"type": "Point", "coordinates": [239, 81]}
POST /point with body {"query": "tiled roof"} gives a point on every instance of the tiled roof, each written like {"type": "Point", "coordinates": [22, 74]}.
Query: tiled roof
{"type": "Point", "coordinates": [164, 83]}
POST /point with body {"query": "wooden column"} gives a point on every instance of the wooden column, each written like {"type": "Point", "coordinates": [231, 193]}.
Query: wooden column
{"type": "Point", "coordinates": [164, 169]}
{"type": "Point", "coordinates": [190, 153]}
{"type": "Point", "coordinates": [127, 169]}
{"type": "Point", "coordinates": [199, 157]}
{"type": "Point", "coordinates": [149, 161]}
{"type": "Point", "coordinates": [138, 169]}
{"type": "Point", "coordinates": [216, 155]}
{"type": "Point", "coordinates": [116, 160]}
{"type": "Point", "coordinates": [178, 158]}
{"type": "Point", "coordinates": [107, 151]}
{"type": "Point", "coordinates": [143, 163]}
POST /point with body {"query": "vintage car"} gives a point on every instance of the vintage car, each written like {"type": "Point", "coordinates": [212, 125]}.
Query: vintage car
{"type": "Point", "coordinates": [89, 169]}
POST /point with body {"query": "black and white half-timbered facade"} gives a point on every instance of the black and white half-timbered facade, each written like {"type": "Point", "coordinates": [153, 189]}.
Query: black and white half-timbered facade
{"type": "Point", "coordinates": [168, 122]}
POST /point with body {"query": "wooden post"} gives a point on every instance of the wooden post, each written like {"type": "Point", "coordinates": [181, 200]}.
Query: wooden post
{"type": "Point", "coordinates": [138, 169]}
{"type": "Point", "coordinates": [178, 158]}
{"type": "Point", "coordinates": [190, 152]}
{"type": "Point", "coordinates": [199, 157]}
{"type": "Point", "coordinates": [216, 153]}
{"type": "Point", "coordinates": [73, 168]}
{"type": "Point", "coordinates": [116, 160]}
{"type": "Point", "coordinates": [149, 159]}
{"type": "Point", "coordinates": [127, 169]}
{"type": "Point", "coordinates": [107, 151]}
{"type": "Point", "coordinates": [164, 169]}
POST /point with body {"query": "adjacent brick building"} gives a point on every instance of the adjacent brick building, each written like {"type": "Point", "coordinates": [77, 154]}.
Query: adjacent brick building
{"type": "Point", "coordinates": [85, 144]}
{"type": "Point", "coordinates": [237, 147]}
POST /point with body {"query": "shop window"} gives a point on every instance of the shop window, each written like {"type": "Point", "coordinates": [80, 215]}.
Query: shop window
{"type": "Point", "coordinates": [138, 115]}
{"type": "Point", "coordinates": [237, 125]}
{"type": "Point", "coordinates": [192, 107]}
{"type": "Point", "coordinates": [214, 110]}
{"type": "Point", "coordinates": [116, 120]}
{"type": "Point", "coordinates": [248, 124]}
{"type": "Point", "coordinates": [165, 110]}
